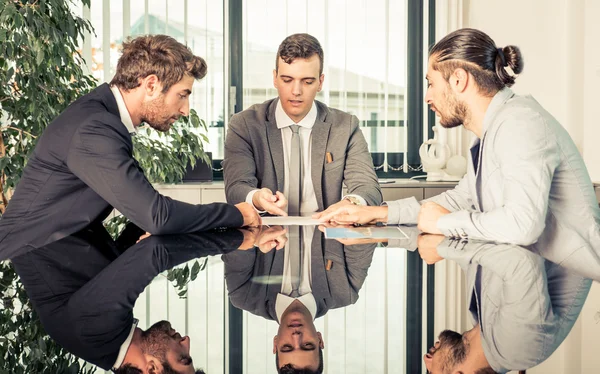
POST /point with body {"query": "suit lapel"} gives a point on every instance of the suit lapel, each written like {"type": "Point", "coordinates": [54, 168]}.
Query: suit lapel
{"type": "Point", "coordinates": [275, 274]}
{"type": "Point", "coordinates": [319, 285]}
{"type": "Point", "coordinates": [320, 136]}
{"type": "Point", "coordinates": [275, 142]}
{"type": "Point", "coordinates": [472, 173]}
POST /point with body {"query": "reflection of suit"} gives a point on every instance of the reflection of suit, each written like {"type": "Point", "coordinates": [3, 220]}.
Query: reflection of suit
{"type": "Point", "coordinates": [81, 168]}
{"type": "Point", "coordinates": [254, 156]}
{"type": "Point", "coordinates": [254, 278]}
{"type": "Point", "coordinates": [526, 306]}
{"type": "Point", "coordinates": [84, 294]}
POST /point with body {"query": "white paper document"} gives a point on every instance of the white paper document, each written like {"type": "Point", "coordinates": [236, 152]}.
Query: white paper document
{"type": "Point", "coordinates": [301, 221]}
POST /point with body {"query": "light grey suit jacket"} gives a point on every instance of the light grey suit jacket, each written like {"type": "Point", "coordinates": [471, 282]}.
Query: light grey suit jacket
{"type": "Point", "coordinates": [526, 306]}
{"type": "Point", "coordinates": [531, 189]}
{"type": "Point", "coordinates": [254, 156]}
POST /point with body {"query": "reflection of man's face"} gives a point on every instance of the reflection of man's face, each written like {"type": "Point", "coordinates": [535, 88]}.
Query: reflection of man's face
{"type": "Point", "coordinates": [297, 341]}
{"type": "Point", "coordinates": [167, 345]}
{"type": "Point", "coordinates": [449, 351]}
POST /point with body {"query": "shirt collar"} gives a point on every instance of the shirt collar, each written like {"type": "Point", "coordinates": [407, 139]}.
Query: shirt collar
{"type": "Point", "coordinates": [123, 112]}
{"type": "Point", "coordinates": [125, 346]}
{"type": "Point", "coordinates": [500, 98]}
{"type": "Point", "coordinates": [283, 120]}
{"type": "Point", "coordinates": [284, 301]}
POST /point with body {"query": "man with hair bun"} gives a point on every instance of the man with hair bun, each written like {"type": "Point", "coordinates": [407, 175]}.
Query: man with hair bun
{"type": "Point", "coordinates": [526, 182]}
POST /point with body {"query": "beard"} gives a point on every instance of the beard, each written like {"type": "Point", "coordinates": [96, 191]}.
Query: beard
{"type": "Point", "coordinates": [457, 349]}
{"type": "Point", "coordinates": [457, 112]}
{"type": "Point", "coordinates": [155, 340]}
{"type": "Point", "coordinates": [153, 113]}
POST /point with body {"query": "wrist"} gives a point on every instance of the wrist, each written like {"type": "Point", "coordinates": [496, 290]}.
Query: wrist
{"type": "Point", "coordinates": [381, 214]}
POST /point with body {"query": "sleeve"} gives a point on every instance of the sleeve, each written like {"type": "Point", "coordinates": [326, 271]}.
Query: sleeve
{"type": "Point", "coordinates": [458, 198]}
{"type": "Point", "coordinates": [101, 157]}
{"type": "Point", "coordinates": [527, 160]}
{"type": "Point", "coordinates": [359, 175]}
{"type": "Point", "coordinates": [239, 167]}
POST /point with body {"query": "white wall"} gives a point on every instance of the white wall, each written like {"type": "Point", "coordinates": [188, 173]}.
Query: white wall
{"type": "Point", "coordinates": [560, 42]}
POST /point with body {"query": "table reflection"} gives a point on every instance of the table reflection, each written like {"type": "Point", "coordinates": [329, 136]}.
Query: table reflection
{"type": "Point", "coordinates": [85, 289]}
{"type": "Point", "coordinates": [522, 307]}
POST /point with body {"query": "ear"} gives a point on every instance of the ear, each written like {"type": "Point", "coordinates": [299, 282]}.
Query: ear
{"type": "Point", "coordinates": [151, 86]}
{"type": "Point", "coordinates": [275, 340]}
{"type": "Point", "coordinates": [459, 80]}
{"type": "Point", "coordinates": [275, 78]}
{"type": "Point", "coordinates": [321, 341]}
{"type": "Point", "coordinates": [153, 365]}
{"type": "Point", "coordinates": [321, 79]}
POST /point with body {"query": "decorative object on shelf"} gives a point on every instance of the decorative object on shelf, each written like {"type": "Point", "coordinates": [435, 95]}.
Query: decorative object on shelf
{"type": "Point", "coordinates": [438, 163]}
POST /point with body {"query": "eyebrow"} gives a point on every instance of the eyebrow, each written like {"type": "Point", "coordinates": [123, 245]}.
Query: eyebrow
{"type": "Point", "coordinates": [311, 348]}
{"type": "Point", "coordinates": [187, 92]}
{"type": "Point", "coordinates": [305, 78]}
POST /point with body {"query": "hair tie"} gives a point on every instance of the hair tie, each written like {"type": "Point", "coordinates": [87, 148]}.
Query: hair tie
{"type": "Point", "coordinates": [501, 54]}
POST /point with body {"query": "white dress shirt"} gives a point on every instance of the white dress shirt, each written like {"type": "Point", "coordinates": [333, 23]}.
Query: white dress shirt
{"type": "Point", "coordinates": [123, 112]}
{"type": "Point", "coordinates": [308, 204]}
{"type": "Point", "coordinates": [125, 346]}
{"type": "Point", "coordinates": [305, 289]}
{"type": "Point", "coordinates": [126, 119]}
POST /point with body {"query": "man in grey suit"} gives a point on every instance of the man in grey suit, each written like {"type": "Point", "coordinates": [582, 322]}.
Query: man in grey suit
{"type": "Point", "coordinates": [262, 281]}
{"type": "Point", "coordinates": [522, 307]}
{"type": "Point", "coordinates": [526, 182]}
{"type": "Point", "coordinates": [294, 150]}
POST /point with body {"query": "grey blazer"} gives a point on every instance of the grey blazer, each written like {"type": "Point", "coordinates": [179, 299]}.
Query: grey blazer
{"type": "Point", "coordinates": [531, 188]}
{"type": "Point", "coordinates": [254, 156]}
{"type": "Point", "coordinates": [254, 278]}
{"type": "Point", "coordinates": [525, 305]}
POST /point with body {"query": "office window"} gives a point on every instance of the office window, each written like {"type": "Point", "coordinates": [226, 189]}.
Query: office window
{"type": "Point", "coordinates": [198, 23]}
{"type": "Point", "coordinates": [367, 58]}
{"type": "Point", "coordinates": [364, 44]}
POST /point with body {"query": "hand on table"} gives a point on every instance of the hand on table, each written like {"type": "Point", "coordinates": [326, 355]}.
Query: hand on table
{"type": "Point", "coordinates": [264, 238]}
{"type": "Point", "coordinates": [265, 200]}
{"type": "Point", "coordinates": [251, 217]}
{"type": "Point", "coordinates": [348, 214]}
{"type": "Point", "coordinates": [427, 245]}
{"type": "Point", "coordinates": [428, 217]}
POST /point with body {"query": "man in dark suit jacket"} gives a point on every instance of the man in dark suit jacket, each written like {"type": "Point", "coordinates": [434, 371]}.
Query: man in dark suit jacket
{"type": "Point", "coordinates": [259, 144]}
{"type": "Point", "coordinates": [82, 166]}
{"type": "Point", "coordinates": [84, 288]}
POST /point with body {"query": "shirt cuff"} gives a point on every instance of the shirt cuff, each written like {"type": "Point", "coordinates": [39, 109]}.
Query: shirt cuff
{"type": "Point", "coordinates": [454, 224]}
{"type": "Point", "coordinates": [249, 200]}
{"type": "Point", "coordinates": [403, 211]}
{"type": "Point", "coordinates": [360, 199]}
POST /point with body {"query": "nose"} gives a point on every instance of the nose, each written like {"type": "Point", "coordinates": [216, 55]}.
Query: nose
{"type": "Point", "coordinates": [428, 98]}
{"type": "Point", "coordinates": [185, 109]}
{"type": "Point", "coordinates": [297, 88]}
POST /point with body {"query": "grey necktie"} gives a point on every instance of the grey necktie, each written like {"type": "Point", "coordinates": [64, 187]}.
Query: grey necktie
{"type": "Point", "coordinates": [295, 172]}
{"type": "Point", "coordinates": [295, 256]}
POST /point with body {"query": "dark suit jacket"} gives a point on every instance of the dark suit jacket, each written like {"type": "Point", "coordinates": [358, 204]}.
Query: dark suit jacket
{"type": "Point", "coordinates": [84, 291]}
{"type": "Point", "coordinates": [254, 278]}
{"type": "Point", "coordinates": [81, 168]}
{"type": "Point", "coordinates": [254, 156]}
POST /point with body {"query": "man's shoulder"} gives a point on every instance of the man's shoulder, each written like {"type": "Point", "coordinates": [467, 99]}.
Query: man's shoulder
{"type": "Point", "coordinates": [256, 113]}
